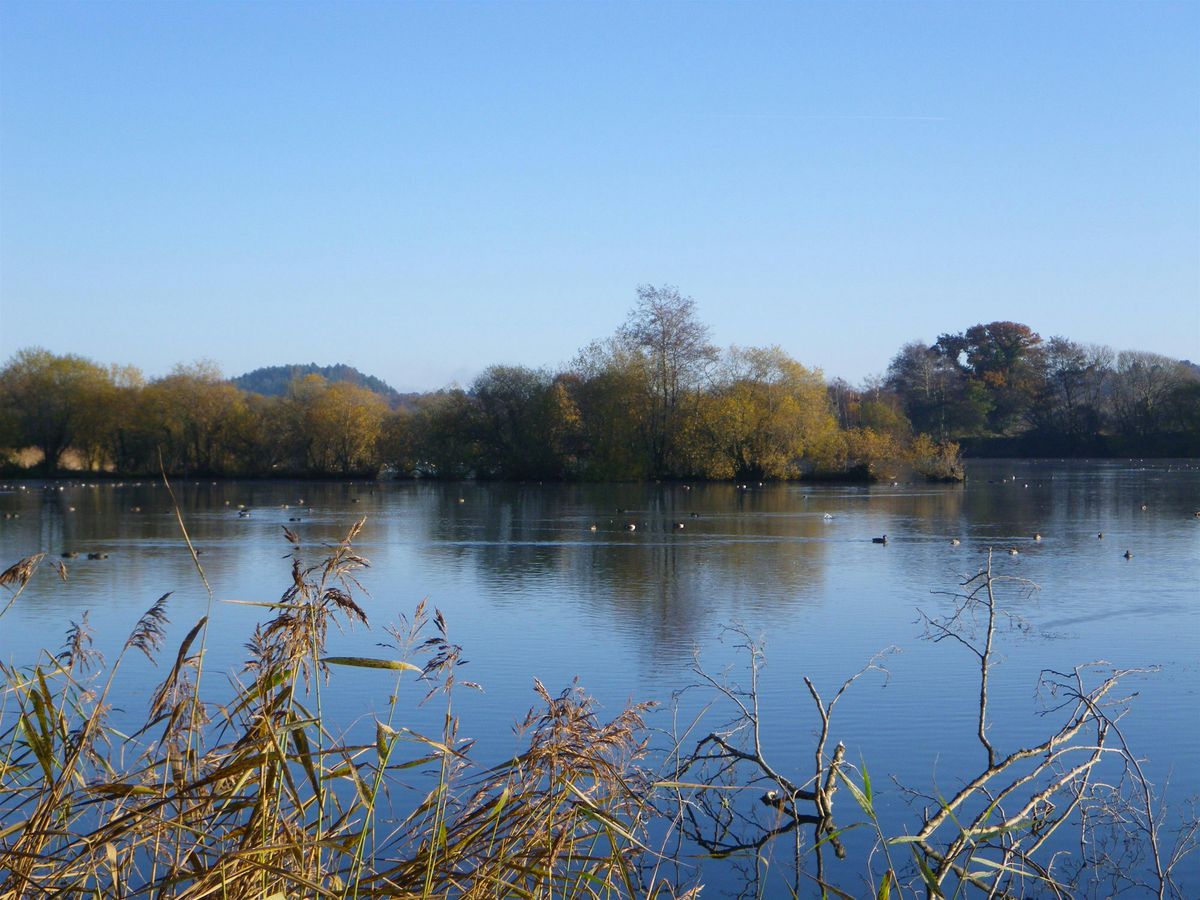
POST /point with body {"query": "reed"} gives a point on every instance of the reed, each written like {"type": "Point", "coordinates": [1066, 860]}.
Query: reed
{"type": "Point", "coordinates": [255, 794]}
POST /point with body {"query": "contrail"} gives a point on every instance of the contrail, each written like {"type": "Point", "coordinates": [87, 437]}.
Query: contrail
{"type": "Point", "coordinates": [868, 118]}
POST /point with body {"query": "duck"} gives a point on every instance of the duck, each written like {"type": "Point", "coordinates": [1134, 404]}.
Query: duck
{"type": "Point", "coordinates": [879, 540]}
{"type": "Point", "coordinates": [827, 516]}
{"type": "Point", "coordinates": [1100, 535]}
{"type": "Point", "coordinates": [1037, 536]}
{"type": "Point", "coordinates": [1013, 551]}
{"type": "Point", "coordinates": [631, 527]}
{"type": "Point", "coordinates": [70, 554]}
{"type": "Point", "coordinates": [679, 526]}
{"type": "Point", "coordinates": [97, 556]}
{"type": "Point", "coordinates": [243, 513]}
{"type": "Point", "coordinates": [592, 527]}
{"type": "Point", "coordinates": [954, 542]}
{"type": "Point", "coordinates": [1128, 554]}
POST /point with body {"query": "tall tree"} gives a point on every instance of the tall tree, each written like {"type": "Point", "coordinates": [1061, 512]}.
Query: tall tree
{"type": "Point", "coordinates": [608, 385]}
{"type": "Point", "coordinates": [444, 434]}
{"type": "Point", "coordinates": [1073, 380]}
{"type": "Point", "coordinates": [664, 327]}
{"type": "Point", "coordinates": [1002, 357]}
{"type": "Point", "coordinates": [1142, 386]}
{"type": "Point", "coordinates": [350, 424]}
{"type": "Point", "coordinates": [517, 422]}
{"type": "Point", "coordinates": [935, 389]}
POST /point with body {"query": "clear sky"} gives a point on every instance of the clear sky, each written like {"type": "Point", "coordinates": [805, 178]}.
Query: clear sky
{"type": "Point", "coordinates": [421, 190]}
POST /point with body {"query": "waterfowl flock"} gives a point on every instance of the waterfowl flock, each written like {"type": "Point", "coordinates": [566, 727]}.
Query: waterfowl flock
{"type": "Point", "coordinates": [244, 512]}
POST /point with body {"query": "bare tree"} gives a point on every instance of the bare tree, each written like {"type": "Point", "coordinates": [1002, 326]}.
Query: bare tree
{"type": "Point", "coordinates": [1143, 383]}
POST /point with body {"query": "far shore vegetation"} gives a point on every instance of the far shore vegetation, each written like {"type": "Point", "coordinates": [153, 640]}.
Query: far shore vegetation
{"type": "Point", "coordinates": [656, 400]}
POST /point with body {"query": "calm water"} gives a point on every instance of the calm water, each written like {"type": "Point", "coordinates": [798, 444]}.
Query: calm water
{"type": "Point", "coordinates": [529, 590]}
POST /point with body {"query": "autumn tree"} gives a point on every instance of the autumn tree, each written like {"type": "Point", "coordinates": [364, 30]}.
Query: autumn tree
{"type": "Point", "coordinates": [761, 417]}
{"type": "Point", "coordinates": [520, 413]}
{"type": "Point", "coordinates": [1002, 357]}
{"type": "Point", "coordinates": [264, 439]}
{"type": "Point", "coordinates": [444, 435]}
{"type": "Point", "coordinates": [334, 427]}
{"type": "Point", "coordinates": [197, 419]}
{"type": "Point", "coordinates": [664, 328]}
{"type": "Point", "coordinates": [397, 446]}
{"type": "Point", "coordinates": [608, 384]}
{"type": "Point", "coordinates": [51, 401]}
{"type": "Point", "coordinates": [843, 400]}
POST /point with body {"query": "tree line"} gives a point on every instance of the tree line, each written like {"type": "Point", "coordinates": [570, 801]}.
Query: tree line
{"type": "Point", "coordinates": [655, 400]}
{"type": "Point", "coordinates": [1002, 385]}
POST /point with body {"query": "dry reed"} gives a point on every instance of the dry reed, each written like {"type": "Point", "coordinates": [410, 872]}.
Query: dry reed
{"type": "Point", "coordinates": [258, 796]}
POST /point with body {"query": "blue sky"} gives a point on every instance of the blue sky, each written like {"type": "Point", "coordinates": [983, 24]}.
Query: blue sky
{"type": "Point", "coordinates": [421, 189]}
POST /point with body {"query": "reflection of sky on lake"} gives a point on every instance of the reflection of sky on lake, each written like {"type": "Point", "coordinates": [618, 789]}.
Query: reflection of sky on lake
{"type": "Point", "coordinates": [528, 589]}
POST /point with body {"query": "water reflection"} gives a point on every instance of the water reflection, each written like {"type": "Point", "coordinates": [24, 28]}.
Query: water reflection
{"type": "Point", "coordinates": [530, 589]}
{"type": "Point", "coordinates": [652, 560]}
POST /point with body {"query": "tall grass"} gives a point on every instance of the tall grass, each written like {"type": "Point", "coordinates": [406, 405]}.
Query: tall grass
{"type": "Point", "coordinates": [255, 794]}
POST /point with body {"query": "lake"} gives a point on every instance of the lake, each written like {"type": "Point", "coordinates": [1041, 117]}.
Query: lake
{"type": "Point", "coordinates": [528, 589]}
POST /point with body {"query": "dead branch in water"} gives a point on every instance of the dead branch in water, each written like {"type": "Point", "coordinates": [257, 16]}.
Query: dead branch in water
{"type": "Point", "coordinates": [995, 835]}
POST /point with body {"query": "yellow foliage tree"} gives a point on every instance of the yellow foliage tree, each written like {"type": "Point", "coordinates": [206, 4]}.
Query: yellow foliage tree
{"type": "Point", "coordinates": [764, 416]}
{"type": "Point", "coordinates": [197, 419]}
{"type": "Point", "coordinates": [334, 427]}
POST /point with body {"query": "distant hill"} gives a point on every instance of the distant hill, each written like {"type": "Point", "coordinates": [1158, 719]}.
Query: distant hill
{"type": "Point", "coordinates": [273, 381]}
